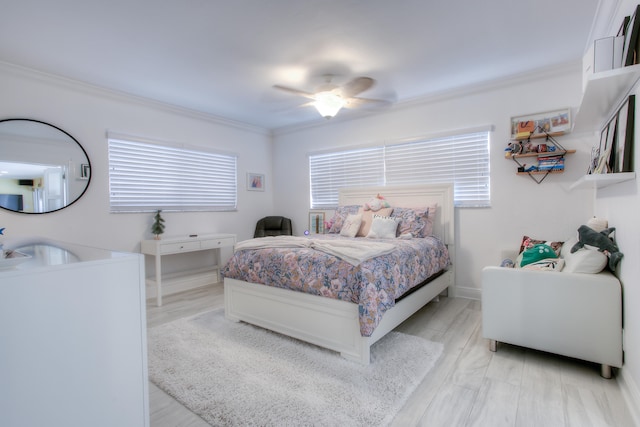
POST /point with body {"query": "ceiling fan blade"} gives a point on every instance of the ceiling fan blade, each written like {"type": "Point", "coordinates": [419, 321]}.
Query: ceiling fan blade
{"type": "Point", "coordinates": [356, 86]}
{"type": "Point", "coordinates": [361, 102]}
{"type": "Point", "coordinates": [295, 91]}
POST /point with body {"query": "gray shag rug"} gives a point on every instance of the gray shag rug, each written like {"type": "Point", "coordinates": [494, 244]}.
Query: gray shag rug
{"type": "Point", "coordinates": [235, 374]}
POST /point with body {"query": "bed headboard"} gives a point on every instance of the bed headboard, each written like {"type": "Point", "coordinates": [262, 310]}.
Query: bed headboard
{"type": "Point", "coordinates": [411, 196]}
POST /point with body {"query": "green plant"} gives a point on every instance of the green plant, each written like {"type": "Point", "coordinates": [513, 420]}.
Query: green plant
{"type": "Point", "coordinates": [158, 224]}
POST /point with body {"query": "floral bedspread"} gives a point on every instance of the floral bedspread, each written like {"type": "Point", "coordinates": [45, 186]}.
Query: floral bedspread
{"type": "Point", "coordinates": [374, 285]}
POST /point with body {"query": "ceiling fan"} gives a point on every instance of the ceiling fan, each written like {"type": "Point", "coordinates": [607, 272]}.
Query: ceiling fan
{"type": "Point", "coordinates": [329, 98]}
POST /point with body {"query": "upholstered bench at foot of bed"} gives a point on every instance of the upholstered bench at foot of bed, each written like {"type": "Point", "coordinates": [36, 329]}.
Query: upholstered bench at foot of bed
{"type": "Point", "coordinates": [571, 314]}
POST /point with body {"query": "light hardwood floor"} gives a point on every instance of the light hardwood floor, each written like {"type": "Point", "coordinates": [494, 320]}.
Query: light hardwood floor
{"type": "Point", "coordinates": [469, 386]}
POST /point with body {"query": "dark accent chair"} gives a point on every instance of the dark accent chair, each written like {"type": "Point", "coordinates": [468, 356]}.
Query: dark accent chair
{"type": "Point", "coordinates": [273, 226]}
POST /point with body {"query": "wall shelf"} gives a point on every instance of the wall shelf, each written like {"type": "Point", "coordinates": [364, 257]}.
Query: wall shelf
{"type": "Point", "coordinates": [548, 153]}
{"type": "Point", "coordinates": [543, 172]}
{"type": "Point", "coordinates": [537, 136]}
{"type": "Point", "coordinates": [602, 180]}
{"type": "Point", "coordinates": [603, 92]}
{"type": "Point", "coordinates": [546, 162]}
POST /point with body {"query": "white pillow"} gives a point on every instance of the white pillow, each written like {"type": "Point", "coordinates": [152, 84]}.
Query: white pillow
{"type": "Point", "coordinates": [351, 225]}
{"type": "Point", "coordinates": [383, 227]}
{"type": "Point", "coordinates": [583, 260]}
{"type": "Point", "coordinates": [367, 219]}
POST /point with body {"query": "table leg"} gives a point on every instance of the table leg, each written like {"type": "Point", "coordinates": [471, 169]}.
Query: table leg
{"type": "Point", "coordinates": [218, 257]}
{"type": "Point", "coordinates": [158, 280]}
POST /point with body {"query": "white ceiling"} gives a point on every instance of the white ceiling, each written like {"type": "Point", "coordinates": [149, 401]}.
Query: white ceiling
{"type": "Point", "coordinates": [223, 57]}
{"type": "Point", "coordinates": [12, 170]}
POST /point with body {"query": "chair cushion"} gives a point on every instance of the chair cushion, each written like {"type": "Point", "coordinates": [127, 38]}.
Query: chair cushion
{"type": "Point", "coordinates": [273, 223]}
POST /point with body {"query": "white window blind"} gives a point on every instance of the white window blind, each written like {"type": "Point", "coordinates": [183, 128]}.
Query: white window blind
{"type": "Point", "coordinates": [144, 177]}
{"type": "Point", "coordinates": [331, 171]}
{"type": "Point", "coordinates": [462, 159]}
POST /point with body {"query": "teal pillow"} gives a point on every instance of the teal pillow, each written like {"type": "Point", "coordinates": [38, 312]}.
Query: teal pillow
{"type": "Point", "coordinates": [537, 253]}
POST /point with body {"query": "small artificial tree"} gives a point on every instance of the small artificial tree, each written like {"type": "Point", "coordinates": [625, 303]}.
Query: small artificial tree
{"type": "Point", "coordinates": [158, 225]}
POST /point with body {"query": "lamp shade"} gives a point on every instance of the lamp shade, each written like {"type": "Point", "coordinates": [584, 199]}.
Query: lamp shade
{"type": "Point", "coordinates": [328, 104]}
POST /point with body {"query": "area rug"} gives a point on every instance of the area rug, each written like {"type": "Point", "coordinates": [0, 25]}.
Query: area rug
{"type": "Point", "coordinates": [235, 374]}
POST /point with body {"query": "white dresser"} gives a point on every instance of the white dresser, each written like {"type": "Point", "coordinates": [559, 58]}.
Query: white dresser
{"type": "Point", "coordinates": [73, 346]}
{"type": "Point", "coordinates": [178, 245]}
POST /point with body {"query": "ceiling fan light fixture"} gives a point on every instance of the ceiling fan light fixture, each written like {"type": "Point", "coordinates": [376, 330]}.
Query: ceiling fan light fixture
{"type": "Point", "coordinates": [328, 103]}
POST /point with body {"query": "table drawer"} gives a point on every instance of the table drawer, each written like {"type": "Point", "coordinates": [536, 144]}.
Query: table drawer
{"type": "Point", "coordinates": [173, 248]}
{"type": "Point", "coordinates": [218, 243]}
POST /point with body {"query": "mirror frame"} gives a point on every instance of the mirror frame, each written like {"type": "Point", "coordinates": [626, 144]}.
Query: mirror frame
{"type": "Point", "coordinates": [86, 187]}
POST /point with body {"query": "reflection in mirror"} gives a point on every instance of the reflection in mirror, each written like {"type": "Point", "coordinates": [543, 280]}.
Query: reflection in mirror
{"type": "Point", "coordinates": [42, 168]}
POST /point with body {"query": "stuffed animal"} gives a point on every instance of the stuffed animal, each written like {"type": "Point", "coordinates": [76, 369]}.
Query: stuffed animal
{"type": "Point", "coordinates": [601, 241]}
{"type": "Point", "coordinates": [376, 203]}
{"type": "Point", "coordinates": [507, 263]}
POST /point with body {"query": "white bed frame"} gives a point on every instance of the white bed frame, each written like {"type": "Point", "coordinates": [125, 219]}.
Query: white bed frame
{"type": "Point", "coordinates": [332, 323]}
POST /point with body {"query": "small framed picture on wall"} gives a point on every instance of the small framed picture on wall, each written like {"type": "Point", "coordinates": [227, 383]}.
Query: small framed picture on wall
{"type": "Point", "coordinates": [255, 181]}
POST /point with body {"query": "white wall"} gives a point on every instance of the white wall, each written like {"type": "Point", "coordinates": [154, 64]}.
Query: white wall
{"type": "Point", "coordinates": [87, 113]}
{"type": "Point", "coordinates": [620, 204]}
{"type": "Point", "coordinates": [519, 206]}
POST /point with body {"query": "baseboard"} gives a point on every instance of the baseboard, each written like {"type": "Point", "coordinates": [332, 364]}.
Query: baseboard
{"type": "Point", "coordinates": [180, 286]}
{"type": "Point", "coordinates": [631, 394]}
{"type": "Point", "coordinates": [468, 293]}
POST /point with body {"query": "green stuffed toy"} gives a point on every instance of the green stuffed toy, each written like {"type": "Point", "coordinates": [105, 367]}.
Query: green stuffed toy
{"type": "Point", "coordinates": [601, 241]}
{"type": "Point", "coordinates": [537, 253]}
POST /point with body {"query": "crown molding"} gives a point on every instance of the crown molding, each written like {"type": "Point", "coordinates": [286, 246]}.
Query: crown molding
{"type": "Point", "coordinates": [490, 85]}
{"type": "Point", "coordinates": [94, 90]}
{"type": "Point", "coordinates": [540, 74]}
{"type": "Point", "coordinates": [532, 76]}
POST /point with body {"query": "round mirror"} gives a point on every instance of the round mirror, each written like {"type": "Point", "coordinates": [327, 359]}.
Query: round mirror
{"type": "Point", "coordinates": [42, 168]}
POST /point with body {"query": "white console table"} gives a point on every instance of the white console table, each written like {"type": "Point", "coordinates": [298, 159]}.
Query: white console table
{"type": "Point", "coordinates": [177, 245]}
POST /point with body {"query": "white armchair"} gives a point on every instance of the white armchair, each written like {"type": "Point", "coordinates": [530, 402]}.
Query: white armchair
{"type": "Point", "coordinates": [571, 314]}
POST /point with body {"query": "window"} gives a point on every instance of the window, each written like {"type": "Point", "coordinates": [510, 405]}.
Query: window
{"type": "Point", "coordinates": [144, 177]}
{"type": "Point", "coordinates": [462, 159]}
{"type": "Point", "coordinates": [332, 171]}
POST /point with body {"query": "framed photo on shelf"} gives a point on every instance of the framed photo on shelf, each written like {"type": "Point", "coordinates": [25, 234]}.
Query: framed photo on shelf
{"type": "Point", "coordinates": [630, 50]}
{"type": "Point", "coordinates": [255, 181]}
{"type": "Point", "coordinates": [613, 148]}
{"type": "Point", "coordinates": [624, 156]}
{"type": "Point", "coordinates": [605, 151]}
{"type": "Point", "coordinates": [622, 31]}
{"type": "Point", "coordinates": [596, 150]}
{"type": "Point", "coordinates": [593, 163]}
{"type": "Point", "coordinates": [552, 122]}
{"type": "Point", "coordinates": [316, 222]}
{"type": "Point", "coordinates": [621, 131]}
